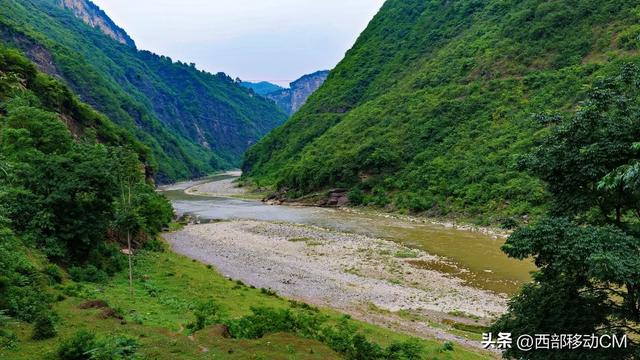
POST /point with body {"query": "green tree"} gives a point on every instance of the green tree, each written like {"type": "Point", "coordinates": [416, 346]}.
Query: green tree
{"type": "Point", "coordinates": [587, 251]}
{"type": "Point", "coordinates": [584, 149]}
{"type": "Point", "coordinates": [127, 220]}
{"type": "Point", "coordinates": [139, 211]}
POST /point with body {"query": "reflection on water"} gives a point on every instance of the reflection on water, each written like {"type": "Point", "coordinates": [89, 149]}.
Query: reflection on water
{"type": "Point", "coordinates": [473, 257]}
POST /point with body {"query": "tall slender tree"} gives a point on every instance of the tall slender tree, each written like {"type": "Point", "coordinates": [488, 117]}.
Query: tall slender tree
{"type": "Point", "coordinates": [129, 174]}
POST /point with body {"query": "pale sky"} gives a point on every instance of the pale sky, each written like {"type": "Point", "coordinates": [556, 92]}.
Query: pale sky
{"type": "Point", "coordinates": [272, 40]}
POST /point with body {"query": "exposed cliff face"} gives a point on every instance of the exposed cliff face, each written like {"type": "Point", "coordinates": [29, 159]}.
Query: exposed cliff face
{"type": "Point", "coordinates": [92, 15]}
{"type": "Point", "coordinates": [292, 99]}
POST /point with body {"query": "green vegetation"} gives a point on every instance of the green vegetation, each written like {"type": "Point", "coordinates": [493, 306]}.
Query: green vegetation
{"type": "Point", "coordinates": [429, 109]}
{"type": "Point", "coordinates": [587, 249]}
{"type": "Point", "coordinates": [60, 192]}
{"type": "Point", "coordinates": [71, 199]}
{"type": "Point", "coordinates": [158, 321]}
{"type": "Point", "coordinates": [193, 122]}
{"type": "Point", "coordinates": [406, 254]}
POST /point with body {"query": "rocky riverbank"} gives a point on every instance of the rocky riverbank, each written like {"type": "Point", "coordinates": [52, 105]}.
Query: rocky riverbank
{"type": "Point", "coordinates": [367, 277]}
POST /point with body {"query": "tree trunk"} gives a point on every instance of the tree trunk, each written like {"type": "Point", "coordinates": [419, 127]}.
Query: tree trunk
{"type": "Point", "coordinates": [130, 250]}
{"type": "Point", "coordinates": [130, 264]}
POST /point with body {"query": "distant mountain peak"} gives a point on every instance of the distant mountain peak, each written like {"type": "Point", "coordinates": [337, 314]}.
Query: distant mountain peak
{"type": "Point", "coordinates": [261, 88]}
{"type": "Point", "coordinates": [95, 17]}
{"type": "Point", "coordinates": [292, 99]}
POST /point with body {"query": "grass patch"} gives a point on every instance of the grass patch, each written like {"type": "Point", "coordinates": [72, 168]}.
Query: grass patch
{"type": "Point", "coordinates": [162, 307]}
{"type": "Point", "coordinates": [475, 329]}
{"type": "Point", "coordinates": [406, 254]}
{"type": "Point", "coordinates": [308, 241]}
{"type": "Point", "coordinates": [463, 314]}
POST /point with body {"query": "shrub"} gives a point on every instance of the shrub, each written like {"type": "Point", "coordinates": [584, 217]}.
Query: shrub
{"type": "Point", "coordinates": [356, 197]}
{"type": "Point", "coordinates": [43, 328]}
{"type": "Point", "coordinates": [268, 292]}
{"type": "Point", "coordinates": [304, 306]}
{"type": "Point", "coordinates": [77, 347]}
{"type": "Point", "coordinates": [407, 350]}
{"type": "Point", "coordinates": [206, 313]}
{"type": "Point", "coordinates": [108, 259]}
{"type": "Point", "coordinates": [447, 346]}
{"type": "Point", "coordinates": [88, 273]}
{"type": "Point", "coordinates": [54, 273]}
{"type": "Point", "coordinates": [154, 245]}
{"type": "Point", "coordinates": [363, 349]}
{"type": "Point", "coordinates": [508, 223]}
{"type": "Point", "coordinates": [630, 38]}
{"type": "Point", "coordinates": [116, 348]}
{"type": "Point", "coordinates": [307, 322]}
{"type": "Point", "coordinates": [262, 322]}
{"type": "Point", "coordinates": [27, 303]}
{"type": "Point", "coordinates": [406, 254]}
{"type": "Point", "coordinates": [8, 339]}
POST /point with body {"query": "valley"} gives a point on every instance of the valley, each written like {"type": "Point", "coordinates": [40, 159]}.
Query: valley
{"type": "Point", "coordinates": [376, 268]}
{"type": "Point", "coordinates": [466, 176]}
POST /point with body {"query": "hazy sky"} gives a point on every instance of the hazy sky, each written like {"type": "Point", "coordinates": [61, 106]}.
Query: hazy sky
{"type": "Point", "coordinates": [273, 40]}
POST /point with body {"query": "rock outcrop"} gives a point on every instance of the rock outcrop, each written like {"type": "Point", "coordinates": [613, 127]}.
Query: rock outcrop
{"type": "Point", "coordinates": [93, 16]}
{"type": "Point", "coordinates": [292, 99]}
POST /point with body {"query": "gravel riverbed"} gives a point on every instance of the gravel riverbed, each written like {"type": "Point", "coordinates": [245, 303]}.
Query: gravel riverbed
{"type": "Point", "coordinates": [354, 273]}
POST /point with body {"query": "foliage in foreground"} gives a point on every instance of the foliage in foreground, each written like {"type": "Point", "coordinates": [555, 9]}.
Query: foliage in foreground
{"type": "Point", "coordinates": [343, 338]}
{"type": "Point", "coordinates": [587, 250]}
{"type": "Point", "coordinates": [162, 306]}
{"type": "Point", "coordinates": [62, 194]}
{"type": "Point", "coordinates": [85, 346]}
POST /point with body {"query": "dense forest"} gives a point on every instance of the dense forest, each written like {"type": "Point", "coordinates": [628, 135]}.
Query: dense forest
{"type": "Point", "coordinates": [430, 108]}
{"type": "Point", "coordinates": [72, 185]}
{"type": "Point", "coordinates": [193, 122]}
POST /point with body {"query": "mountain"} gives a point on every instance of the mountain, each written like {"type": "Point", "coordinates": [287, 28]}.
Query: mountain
{"type": "Point", "coordinates": [23, 89]}
{"type": "Point", "coordinates": [194, 122]}
{"type": "Point", "coordinates": [292, 99]}
{"type": "Point", "coordinates": [94, 16]}
{"type": "Point", "coordinates": [261, 88]}
{"type": "Point", "coordinates": [433, 106]}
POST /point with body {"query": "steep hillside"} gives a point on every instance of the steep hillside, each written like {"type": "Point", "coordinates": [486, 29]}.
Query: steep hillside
{"type": "Point", "coordinates": [94, 16]}
{"type": "Point", "coordinates": [22, 86]}
{"type": "Point", "coordinates": [430, 109]}
{"type": "Point", "coordinates": [193, 122]}
{"type": "Point", "coordinates": [292, 99]}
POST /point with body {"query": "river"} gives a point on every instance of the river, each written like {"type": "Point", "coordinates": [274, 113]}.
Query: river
{"type": "Point", "coordinates": [471, 256]}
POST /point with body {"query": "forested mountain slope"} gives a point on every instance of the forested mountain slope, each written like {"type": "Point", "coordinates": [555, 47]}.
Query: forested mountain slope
{"type": "Point", "coordinates": [432, 106]}
{"type": "Point", "coordinates": [194, 122]}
